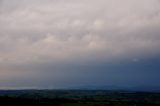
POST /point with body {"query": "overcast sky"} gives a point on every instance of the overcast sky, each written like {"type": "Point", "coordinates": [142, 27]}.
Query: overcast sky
{"type": "Point", "coordinates": [80, 43]}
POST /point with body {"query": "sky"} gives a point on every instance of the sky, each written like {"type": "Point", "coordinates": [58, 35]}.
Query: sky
{"type": "Point", "coordinates": [49, 44]}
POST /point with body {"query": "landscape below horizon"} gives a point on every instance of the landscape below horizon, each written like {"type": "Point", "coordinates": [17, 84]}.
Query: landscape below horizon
{"type": "Point", "coordinates": [78, 98]}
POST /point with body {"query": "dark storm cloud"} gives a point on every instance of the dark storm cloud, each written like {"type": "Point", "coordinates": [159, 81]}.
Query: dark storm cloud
{"type": "Point", "coordinates": [73, 36]}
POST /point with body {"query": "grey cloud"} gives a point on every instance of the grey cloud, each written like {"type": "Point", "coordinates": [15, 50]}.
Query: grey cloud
{"type": "Point", "coordinates": [51, 28]}
{"type": "Point", "coordinates": [50, 32]}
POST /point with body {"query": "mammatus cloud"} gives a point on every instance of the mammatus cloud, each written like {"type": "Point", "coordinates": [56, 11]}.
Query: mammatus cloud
{"type": "Point", "coordinates": [38, 31]}
{"type": "Point", "coordinates": [51, 31]}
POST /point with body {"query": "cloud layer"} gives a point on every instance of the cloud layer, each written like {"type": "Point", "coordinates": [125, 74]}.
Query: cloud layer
{"type": "Point", "coordinates": [68, 31]}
